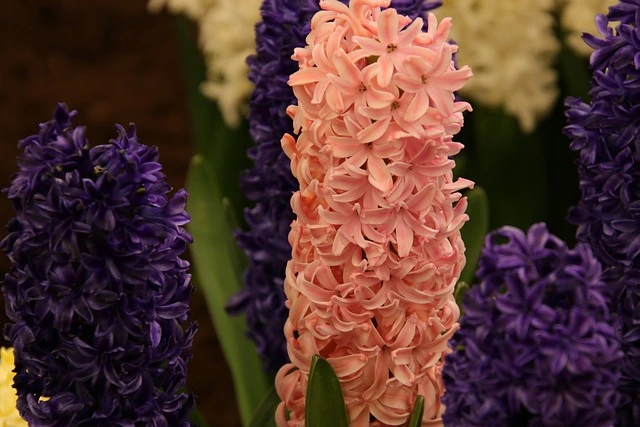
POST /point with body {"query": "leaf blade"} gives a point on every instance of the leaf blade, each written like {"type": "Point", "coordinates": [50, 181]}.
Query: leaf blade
{"type": "Point", "coordinates": [197, 419]}
{"type": "Point", "coordinates": [474, 231]}
{"type": "Point", "coordinates": [265, 414]}
{"type": "Point", "coordinates": [417, 413]}
{"type": "Point", "coordinates": [324, 404]}
{"type": "Point", "coordinates": [217, 278]}
{"type": "Point", "coordinates": [224, 147]}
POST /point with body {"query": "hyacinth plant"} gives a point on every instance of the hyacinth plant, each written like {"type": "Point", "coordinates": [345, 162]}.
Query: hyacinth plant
{"type": "Point", "coordinates": [97, 294]}
{"type": "Point", "coordinates": [376, 244]}
{"type": "Point", "coordinates": [269, 183]}
{"type": "Point", "coordinates": [537, 342]}
{"type": "Point", "coordinates": [605, 134]}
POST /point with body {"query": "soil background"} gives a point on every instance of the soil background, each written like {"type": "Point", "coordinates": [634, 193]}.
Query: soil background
{"type": "Point", "coordinates": [114, 63]}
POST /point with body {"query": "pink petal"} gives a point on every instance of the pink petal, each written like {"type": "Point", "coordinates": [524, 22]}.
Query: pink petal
{"type": "Point", "coordinates": [388, 26]}
{"type": "Point", "coordinates": [422, 275]}
{"type": "Point", "coordinates": [386, 70]}
{"type": "Point", "coordinates": [306, 76]}
{"type": "Point", "coordinates": [454, 80]}
{"type": "Point", "coordinates": [408, 35]}
{"type": "Point", "coordinates": [418, 106]}
{"type": "Point", "coordinates": [444, 60]}
{"type": "Point", "coordinates": [459, 184]}
{"type": "Point", "coordinates": [379, 98]}
{"type": "Point", "coordinates": [379, 175]}
{"type": "Point", "coordinates": [381, 376]}
{"type": "Point", "coordinates": [373, 234]}
{"type": "Point", "coordinates": [340, 242]}
{"type": "Point", "coordinates": [375, 216]}
{"type": "Point", "coordinates": [346, 68]}
{"type": "Point", "coordinates": [342, 146]}
{"type": "Point", "coordinates": [374, 131]}
{"type": "Point", "coordinates": [410, 293]}
{"type": "Point", "coordinates": [368, 47]}
{"type": "Point", "coordinates": [343, 85]}
{"type": "Point", "coordinates": [404, 375]}
{"type": "Point", "coordinates": [342, 326]}
{"type": "Point", "coordinates": [319, 55]}
{"type": "Point", "coordinates": [407, 82]}
{"type": "Point", "coordinates": [334, 99]}
{"type": "Point", "coordinates": [388, 416]}
{"type": "Point", "coordinates": [335, 218]}
{"type": "Point", "coordinates": [358, 159]}
{"type": "Point", "coordinates": [315, 293]}
{"type": "Point", "coordinates": [423, 199]}
{"type": "Point", "coordinates": [402, 356]}
{"type": "Point", "coordinates": [404, 237]}
{"type": "Point", "coordinates": [347, 365]}
{"type": "Point", "coordinates": [350, 195]}
{"type": "Point", "coordinates": [377, 114]}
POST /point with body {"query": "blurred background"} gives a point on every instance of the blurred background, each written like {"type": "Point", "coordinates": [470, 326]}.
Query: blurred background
{"type": "Point", "coordinates": [114, 63]}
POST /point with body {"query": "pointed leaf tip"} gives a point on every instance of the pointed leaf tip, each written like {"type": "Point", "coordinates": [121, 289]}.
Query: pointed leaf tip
{"type": "Point", "coordinates": [324, 404]}
{"type": "Point", "coordinates": [417, 413]}
{"type": "Point", "coordinates": [265, 414]}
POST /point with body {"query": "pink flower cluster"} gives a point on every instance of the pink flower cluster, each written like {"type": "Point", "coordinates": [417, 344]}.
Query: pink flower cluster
{"type": "Point", "coordinates": [376, 245]}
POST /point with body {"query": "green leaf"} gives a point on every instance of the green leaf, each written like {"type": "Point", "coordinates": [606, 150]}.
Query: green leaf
{"type": "Point", "coordinates": [418, 411]}
{"type": "Point", "coordinates": [325, 403]}
{"type": "Point", "coordinates": [197, 419]}
{"type": "Point", "coordinates": [474, 231]}
{"type": "Point", "coordinates": [204, 114]}
{"type": "Point", "coordinates": [213, 251]}
{"type": "Point", "coordinates": [238, 259]}
{"type": "Point", "coordinates": [265, 414]}
{"type": "Point", "coordinates": [223, 147]}
{"type": "Point", "coordinates": [458, 293]}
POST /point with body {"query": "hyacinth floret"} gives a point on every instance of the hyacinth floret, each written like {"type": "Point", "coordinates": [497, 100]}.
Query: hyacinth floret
{"type": "Point", "coordinates": [269, 183]}
{"type": "Point", "coordinates": [376, 246]}
{"type": "Point", "coordinates": [536, 344]}
{"type": "Point", "coordinates": [606, 135]}
{"type": "Point", "coordinates": [97, 293]}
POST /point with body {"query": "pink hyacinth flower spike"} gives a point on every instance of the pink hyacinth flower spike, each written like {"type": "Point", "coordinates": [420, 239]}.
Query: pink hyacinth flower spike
{"type": "Point", "coordinates": [376, 246]}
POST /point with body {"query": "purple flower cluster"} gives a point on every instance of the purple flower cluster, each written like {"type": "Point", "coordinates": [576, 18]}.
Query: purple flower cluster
{"type": "Point", "coordinates": [536, 344]}
{"type": "Point", "coordinates": [269, 183]}
{"type": "Point", "coordinates": [97, 292]}
{"type": "Point", "coordinates": [606, 135]}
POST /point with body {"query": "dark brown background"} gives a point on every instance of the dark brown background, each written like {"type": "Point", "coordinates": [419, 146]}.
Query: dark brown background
{"type": "Point", "coordinates": [114, 63]}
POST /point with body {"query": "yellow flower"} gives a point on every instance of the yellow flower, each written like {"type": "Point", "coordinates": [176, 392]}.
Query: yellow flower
{"type": "Point", "coordinates": [9, 416]}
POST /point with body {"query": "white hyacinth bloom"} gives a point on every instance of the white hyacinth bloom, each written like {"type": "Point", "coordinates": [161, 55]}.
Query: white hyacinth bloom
{"type": "Point", "coordinates": [511, 47]}
{"type": "Point", "coordinates": [227, 38]}
{"type": "Point", "coordinates": [194, 9]}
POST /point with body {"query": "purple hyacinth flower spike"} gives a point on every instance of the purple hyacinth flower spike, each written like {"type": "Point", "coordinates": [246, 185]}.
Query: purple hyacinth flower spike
{"type": "Point", "coordinates": [537, 343]}
{"type": "Point", "coordinates": [97, 293]}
